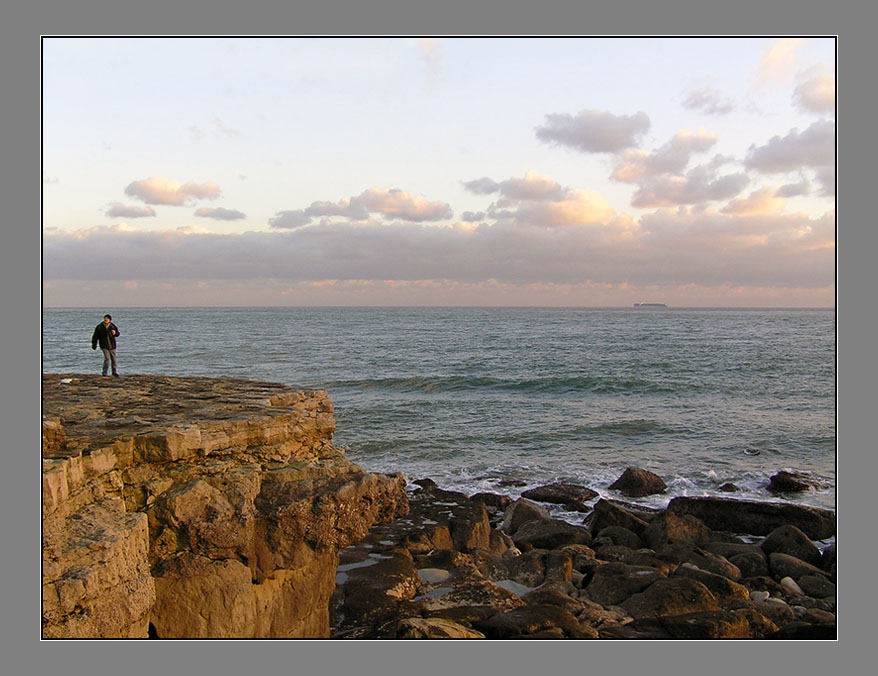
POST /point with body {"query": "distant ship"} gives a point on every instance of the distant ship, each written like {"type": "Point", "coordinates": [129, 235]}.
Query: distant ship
{"type": "Point", "coordinates": [650, 305]}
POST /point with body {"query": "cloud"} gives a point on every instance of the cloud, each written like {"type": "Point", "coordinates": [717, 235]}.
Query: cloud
{"type": "Point", "coordinates": [672, 158]}
{"type": "Point", "coordinates": [696, 187]}
{"type": "Point", "coordinates": [594, 131]}
{"type": "Point", "coordinates": [670, 246]}
{"type": "Point", "coordinates": [220, 214]}
{"type": "Point", "coordinates": [803, 187]}
{"type": "Point", "coordinates": [778, 63]}
{"type": "Point", "coordinates": [216, 129]}
{"type": "Point", "coordinates": [709, 101]}
{"type": "Point", "coordinates": [826, 178]}
{"type": "Point", "coordinates": [389, 202]}
{"type": "Point", "coordinates": [814, 147]}
{"type": "Point", "coordinates": [816, 91]}
{"type": "Point", "coordinates": [766, 200]}
{"type": "Point", "coordinates": [482, 186]}
{"type": "Point", "coordinates": [160, 190]}
{"type": "Point", "coordinates": [430, 49]}
{"type": "Point", "coordinates": [119, 210]}
{"type": "Point", "coordinates": [473, 216]}
{"type": "Point", "coordinates": [533, 186]}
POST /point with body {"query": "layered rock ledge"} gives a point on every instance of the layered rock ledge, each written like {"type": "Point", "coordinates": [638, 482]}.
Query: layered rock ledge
{"type": "Point", "coordinates": [196, 507]}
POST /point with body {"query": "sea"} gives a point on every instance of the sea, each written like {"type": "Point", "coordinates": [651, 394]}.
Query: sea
{"type": "Point", "coordinates": [506, 399]}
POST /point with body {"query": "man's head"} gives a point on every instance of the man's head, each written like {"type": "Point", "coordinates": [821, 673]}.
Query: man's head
{"type": "Point", "coordinates": [107, 319]}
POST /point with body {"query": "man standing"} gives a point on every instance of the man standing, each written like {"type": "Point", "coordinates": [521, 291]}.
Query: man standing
{"type": "Point", "coordinates": [105, 334]}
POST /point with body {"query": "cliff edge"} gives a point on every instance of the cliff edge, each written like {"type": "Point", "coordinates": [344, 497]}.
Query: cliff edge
{"type": "Point", "coordinates": [196, 508]}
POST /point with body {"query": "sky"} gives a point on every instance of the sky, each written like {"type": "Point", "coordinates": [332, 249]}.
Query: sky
{"type": "Point", "coordinates": [697, 172]}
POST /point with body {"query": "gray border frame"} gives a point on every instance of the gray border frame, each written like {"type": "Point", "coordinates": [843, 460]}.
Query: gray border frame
{"type": "Point", "coordinates": [19, 58]}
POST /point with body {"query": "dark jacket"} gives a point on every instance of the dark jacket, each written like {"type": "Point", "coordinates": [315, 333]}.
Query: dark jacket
{"type": "Point", "coordinates": [103, 336]}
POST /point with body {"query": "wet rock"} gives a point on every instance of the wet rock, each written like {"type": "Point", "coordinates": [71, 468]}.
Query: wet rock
{"type": "Point", "coordinates": [784, 565]}
{"type": "Point", "coordinates": [750, 564]}
{"type": "Point", "coordinates": [723, 589]}
{"type": "Point", "coordinates": [711, 624]}
{"type": "Point", "coordinates": [774, 610]}
{"type": "Point", "coordinates": [703, 559]}
{"type": "Point", "coordinates": [671, 596]}
{"type": "Point", "coordinates": [729, 487]}
{"type": "Point", "coordinates": [828, 559]}
{"type": "Point", "coordinates": [606, 514]}
{"type": "Point", "coordinates": [760, 625]}
{"type": "Point", "coordinates": [372, 593]}
{"type": "Point", "coordinates": [730, 549]}
{"type": "Point", "coordinates": [522, 511]}
{"type": "Point", "coordinates": [668, 528]}
{"type": "Point", "coordinates": [817, 586]}
{"type": "Point", "coordinates": [755, 518]}
{"type": "Point", "coordinates": [793, 586]}
{"type": "Point", "coordinates": [613, 583]}
{"type": "Point", "coordinates": [553, 597]}
{"type": "Point", "coordinates": [493, 501]}
{"type": "Point", "coordinates": [766, 584]}
{"type": "Point", "coordinates": [465, 616]}
{"type": "Point", "coordinates": [549, 534]}
{"type": "Point", "coordinates": [790, 540]}
{"type": "Point", "coordinates": [637, 483]}
{"type": "Point", "coordinates": [794, 482]}
{"type": "Point", "coordinates": [560, 493]}
{"type": "Point", "coordinates": [621, 536]}
{"type": "Point", "coordinates": [530, 620]}
{"type": "Point", "coordinates": [529, 569]}
{"type": "Point", "coordinates": [434, 627]}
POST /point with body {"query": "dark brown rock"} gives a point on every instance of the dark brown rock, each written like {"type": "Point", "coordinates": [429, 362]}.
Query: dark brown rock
{"type": "Point", "coordinates": [680, 554]}
{"type": "Point", "coordinates": [730, 549]}
{"type": "Point", "coordinates": [671, 596]}
{"type": "Point", "coordinates": [668, 528]}
{"type": "Point", "coordinates": [760, 625]}
{"type": "Point", "coordinates": [521, 511]}
{"type": "Point", "coordinates": [710, 624]}
{"type": "Point", "coordinates": [723, 589]}
{"type": "Point", "coordinates": [816, 586]}
{"type": "Point", "coordinates": [606, 514]}
{"type": "Point", "coordinates": [551, 534]}
{"type": "Point", "coordinates": [729, 488]}
{"type": "Point", "coordinates": [560, 493]}
{"type": "Point", "coordinates": [790, 540]}
{"type": "Point", "coordinates": [794, 482]}
{"type": "Point", "coordinates": [529, 620]}
{"type": "Point", "coordinates": [637, 483]}
{"type": "Point", "coordinates": [553, 597]}
{"type": "Point", "coordinates": [750, 564]}
{"type": "Point", "coordinates": [621, 536]}
{"type": "Point", "coordinates": [755, 518]}
{"type": "Point", "coordinates": [613, 583]}
{"type": "Point", "coordinates": [493, 501]}
{"type": "Point", "coordinates": [784, 565]}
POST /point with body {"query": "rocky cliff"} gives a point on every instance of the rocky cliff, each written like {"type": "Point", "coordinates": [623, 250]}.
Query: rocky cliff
{"type": "Point", "coordinates": [196, 507]}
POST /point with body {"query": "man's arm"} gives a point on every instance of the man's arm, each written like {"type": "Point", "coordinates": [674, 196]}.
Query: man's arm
{"type": "Point", "coordinates": [94, 339]}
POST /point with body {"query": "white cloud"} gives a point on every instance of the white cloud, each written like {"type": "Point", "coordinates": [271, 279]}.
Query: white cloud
{"type": "Point", "coordinates": [779, 62]}
{"type": "Point", "coordinates": [220, 214]}
{"type": "Point", "coordinates": [594, 131]}
{"type": "Point", "coordinates": [672, 158]}
{"type": "Point", "coordinates": [816, 91]}
{"type": "Point", "coordinates": [119, 210]}
{"type": "Point", "coordinates": [389, 202]}
{"type": "Point", "coordinates": [698, 186]}
{"type": "Point", "coordinates": [160, 190]}
{"type": "Point", "coordinates": [709, 101]}
{"type": "Point", "coordinates": [766, 200]}
{"type": "Point", "coordinates": [533, 186]}
{"type": "Point", "coordinates": [814, 147]}
{"type": "Point", "coordinates": [482, 186]}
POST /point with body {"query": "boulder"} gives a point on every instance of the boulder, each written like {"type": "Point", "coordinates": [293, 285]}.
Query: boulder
{"type": "Point", "coordinates": [434, 627]}
{"type": "Point", "coordinates": [816, 586]}
{"type": "Point", "coordinates": [606, 513]}
{"type": "Point", "coordinates": [729, 487]}
{"type": "Point", "coordinates": [560, 493]}
{"type": "Point", "coordinates": [671, 596]}
{"type": "Point", "coordinates": [784, 565]}
{"type": "Point", "coordinates": [621, 536]}
{"type": "Point", "coordinates": [790, 540]}
{"type": "Point", "coordinates": [803, 631]}
{"type": "Point", "coordinates": [794, 482]}
{"type": "Point", "coordinates": [522, 511]}
{"type": "Point", "coordinates": [530, 620]}
{"type": "Point", "coordinates": [828, 559]}
{"type": "Point", "coordinates": [493, 501]}
{"type": "Point", "coordinates": [710, 624]}
{"type": "Point", "coordinates": [703, 559]}
{"type": "Point", "coordinates": [723, 589]}
{"type": "Point", "coordinates": [529, 569]}
{"type": "Point", "coordinates": [613, 583]}
{"type": "Point", "coordinates": [668, 528]}
{"type": "Point", "coordinates": [637, 483]}
{"type": "Point", "coordinates": [553, 597]}
{"type": "Point", "coordinates": [750, 564]}
{"type": "Point", "coordinates": [755, 518]}
{"type": "Point", "coordinates": [549, 534]}
{"type": "Point", "coordinates": [760, 625]}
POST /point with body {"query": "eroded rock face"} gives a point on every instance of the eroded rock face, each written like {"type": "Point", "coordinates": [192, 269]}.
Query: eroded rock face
{"type": "Point", "coordinates": [205, 507]}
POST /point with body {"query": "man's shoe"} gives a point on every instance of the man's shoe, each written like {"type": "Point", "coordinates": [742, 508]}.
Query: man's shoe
{"type": "Point", "coordinates": [116, 375]}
